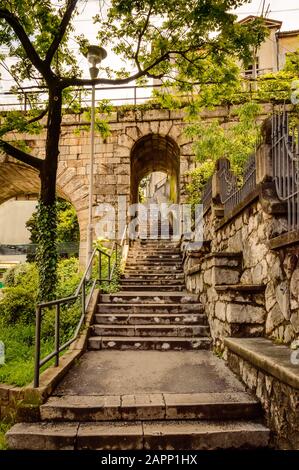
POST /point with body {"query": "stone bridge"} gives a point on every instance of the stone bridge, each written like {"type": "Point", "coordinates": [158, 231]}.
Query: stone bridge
{"type": "Point", "coordinates": [141, 141]}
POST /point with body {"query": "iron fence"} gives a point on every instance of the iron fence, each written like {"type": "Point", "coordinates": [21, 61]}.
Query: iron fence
{"type": "Point", "coordinates": [231, 193]}
{"type": "Point", "coordinates": [285, 161]}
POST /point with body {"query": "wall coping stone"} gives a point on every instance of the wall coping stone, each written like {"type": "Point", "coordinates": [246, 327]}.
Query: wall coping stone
{"type": "Point", "coordinates": [266, 356]}
{"type": "Point", "coordinates": [288, 238]}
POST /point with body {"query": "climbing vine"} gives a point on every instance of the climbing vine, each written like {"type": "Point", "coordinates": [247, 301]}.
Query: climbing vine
{"type": "Point", "coordinates": [46, 255]}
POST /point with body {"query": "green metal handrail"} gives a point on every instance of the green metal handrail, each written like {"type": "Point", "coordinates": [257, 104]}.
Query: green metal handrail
{"type": "Point", "coordinates": [79, 294]}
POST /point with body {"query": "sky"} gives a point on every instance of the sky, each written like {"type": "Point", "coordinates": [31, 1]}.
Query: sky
{"type": "Point", "coordinates": [286, 11]}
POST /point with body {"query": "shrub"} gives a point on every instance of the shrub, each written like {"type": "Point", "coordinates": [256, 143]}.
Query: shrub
{"type": "Point", "coordinates": [18, 305]}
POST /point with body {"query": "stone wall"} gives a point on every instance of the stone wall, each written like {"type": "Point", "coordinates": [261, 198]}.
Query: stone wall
{"type": "Point", "coordinates": [256, 294]}
{"type": "Point", "coordinates": [112, 157]}
{"type": "Point", "coordinates": [266, 369]}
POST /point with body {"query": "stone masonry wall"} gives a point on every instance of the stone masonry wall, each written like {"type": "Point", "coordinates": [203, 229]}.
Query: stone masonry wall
{"type": "Point", "coordinates": [279, 400]}
{"type": "Point", "coordinates": [268, 305]}
{"type": "Point", "coordinates": [112, 157]}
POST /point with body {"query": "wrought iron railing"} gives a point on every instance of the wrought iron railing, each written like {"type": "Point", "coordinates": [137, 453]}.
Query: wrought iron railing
{"type": "Point", "coordinates": [285, 161]}
{"type": "Point", "coordinates": [91, 278]}
{"type": "Point", "coordinates": [231, 193]}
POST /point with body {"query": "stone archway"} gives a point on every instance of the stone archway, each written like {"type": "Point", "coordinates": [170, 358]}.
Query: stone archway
{"type": "Point", "coordinates": [153, 153]}
{"type": "Point", "coordinates": [20, 180]}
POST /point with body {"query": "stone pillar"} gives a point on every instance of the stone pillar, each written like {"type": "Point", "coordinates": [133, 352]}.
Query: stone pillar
{"type": "Point", "coordinates": [263, 160]}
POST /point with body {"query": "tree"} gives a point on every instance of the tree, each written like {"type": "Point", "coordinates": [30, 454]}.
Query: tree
{"type": "Point", "coordinates": [158, 38]}
{"type": "Point", "coordinates": [67, 224]}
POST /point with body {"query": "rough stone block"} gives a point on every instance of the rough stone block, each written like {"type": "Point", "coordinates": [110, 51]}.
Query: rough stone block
{"type": "Point", "coordinates": [220, 311]}
{"type": "Point", "coordinates": [224, 276]}
{"type": "Point", "coordinates": [240, 313]}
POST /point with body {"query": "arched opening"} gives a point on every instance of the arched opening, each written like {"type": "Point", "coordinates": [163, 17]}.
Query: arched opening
{"type": "Point", "coordinates": [155, 168]}
{"type": "Point", "coordinates": [20, 186]}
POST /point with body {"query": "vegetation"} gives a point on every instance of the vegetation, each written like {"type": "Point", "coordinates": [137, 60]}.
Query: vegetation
{"type": "Point", "coordinates": [4, 427]}
{"type": "Point", "coordinates": [67, 224]}
{"type": "Point", "coordinates": [161, 39]}
{"type": "Point", "coordinates": [17, 320]}
{"type": "Point", "coordinates": [236, 142]}
{"type": "Point", "coordinates": [17, 314]}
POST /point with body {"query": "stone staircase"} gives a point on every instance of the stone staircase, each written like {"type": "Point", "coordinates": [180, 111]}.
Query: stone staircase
{"type": "Point", "coordinates": [152, 309]}
{"type": "Point", "coordinates": [155, 319]}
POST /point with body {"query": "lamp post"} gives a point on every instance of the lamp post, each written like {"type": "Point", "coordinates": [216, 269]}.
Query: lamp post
{"type": "Point", "coordinates": [95, 55]}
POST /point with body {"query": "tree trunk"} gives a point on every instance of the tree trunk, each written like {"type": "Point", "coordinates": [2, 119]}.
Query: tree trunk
{"type": "Point", "coordinates": [47, 256]}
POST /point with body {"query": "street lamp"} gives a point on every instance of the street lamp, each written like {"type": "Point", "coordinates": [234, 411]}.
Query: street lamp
{"type": "Point", "coordinates": [95, 55]}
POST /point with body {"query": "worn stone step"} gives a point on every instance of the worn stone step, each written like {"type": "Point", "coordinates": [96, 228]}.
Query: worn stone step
{"type": "Point", "coordinates": [146, 276]}
{"type": "Point", "coordinates": [154, 406]}
{"type": "Point", "coordinates": [150, 308]}
{"type": "Point", "coordinates": [134, 435]}
{"type": "Point", "coordinates": [150, 286]}
{"type": "Point", "coordinates": [144, 264]}
{"type": "Point", "coordinates": [154, 257]}
{"type": "Point", "coordinates": [152, 280]}
{"type": "Point", "coordinates": [152, 269]}
{"type": "Point", "coordinates": [159, 343]}
{"type": "Point", "coordinates": [151, 319]}
{"type": "Point", "coordinates": [204, 435]}
{"type": "Point", "coordinates": [151, 330]}
{"type": "Point", "coordinates": [154, 251]}
{"type": "Point", "coordinates": [149, 296]}
{"type": "Point", "coordinates": [154, 261]}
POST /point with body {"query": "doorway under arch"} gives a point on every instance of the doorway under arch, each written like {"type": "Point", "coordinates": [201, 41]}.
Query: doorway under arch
{"type": "Point", "coordinates": [152, 154]}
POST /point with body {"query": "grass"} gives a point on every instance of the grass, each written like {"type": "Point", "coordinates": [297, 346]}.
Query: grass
{"type": "Point", "coordinates": [19, 354]}
{"type": "Point", "coordinates": [4, 427]}
{"type": "Point", "coordinates": [17, 321]}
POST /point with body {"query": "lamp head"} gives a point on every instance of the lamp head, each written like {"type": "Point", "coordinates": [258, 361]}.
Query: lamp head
{"type": "Point", "coordinates": [95, 55]}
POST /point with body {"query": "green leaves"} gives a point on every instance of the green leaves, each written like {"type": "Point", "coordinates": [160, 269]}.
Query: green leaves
{"type": "Point", "coordinates": [46, 255]}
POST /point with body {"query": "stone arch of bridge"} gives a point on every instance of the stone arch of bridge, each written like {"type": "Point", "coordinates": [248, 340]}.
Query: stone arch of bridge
{"type": "Point", "coordinates": [20, 180]}
{"type": "Point", "coordinates": [152, 153]}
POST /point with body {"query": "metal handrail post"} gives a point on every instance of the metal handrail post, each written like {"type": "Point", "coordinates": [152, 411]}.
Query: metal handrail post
{"type": "Point", "coordinates": [37, 346]}
{"type": "Point", "coordinates": [57, 335]}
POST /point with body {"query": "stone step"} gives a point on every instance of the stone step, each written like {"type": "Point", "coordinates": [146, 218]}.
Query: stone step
{"type": "Point", "coordinates": [159, 343]}
{"type": "Point", "coordinates": [150, 319]}
{"type": "Point", "coordinates": [152, 276]}
{"type": "Point", "coordinates": [156, 245]}
{"type": "Point", "coordinates": [147, 263]}
{"type": "Point", "coordinates": [150, 286]}
{"type": "Point", "coordinates": [152, 281]}
{"type": "Point", "coordinates": [155, 406]}
{"type": "Point", "coordinates": [147, 250]}
{"type": "Point", "coordinates": [153, 269]}
{"type": "Point", "coordinates": [150, 308]}
{"type": "Point", "coordinates": [156, 435]}
{"type": "Point", "coordinates": [149, 297]}
{"type": "Point", "coordinates": [151, 330]}
{"type": "Point", "coordinates": [154, 256]}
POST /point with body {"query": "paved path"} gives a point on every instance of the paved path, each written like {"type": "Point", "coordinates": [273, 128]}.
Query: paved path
{"type": "Point", "coordinates": [137, 372]}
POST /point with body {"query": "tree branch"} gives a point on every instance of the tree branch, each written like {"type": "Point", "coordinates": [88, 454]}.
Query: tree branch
{"type": "Point", "coordinates": [141, 34]}
{"type": "Point", "coordinates": [39, 117]}
{"type": "Point", "coordinates": [61, 31]}
{"type": "Point", "coordinates": [66, 82]}
{"type": "Point", "coordinates": [15, 24]}
{"type": "Point", "coordinates": [20, 155]}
